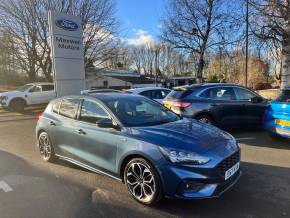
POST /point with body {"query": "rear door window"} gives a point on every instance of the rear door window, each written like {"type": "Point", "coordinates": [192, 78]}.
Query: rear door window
{"type": "Point", "coordinates": [157, 94]}
{"type": "Point", "coordinates": [69, 107]}
{"type": "Point", "coordinates": [47, 88]}
{"type": "Point", "coordinates": [219, 93]}
{"type": "Point", "coordinates": [147, 94]}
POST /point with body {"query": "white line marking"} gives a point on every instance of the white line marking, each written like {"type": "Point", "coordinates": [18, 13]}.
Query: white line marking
{"type": "Point", "coordinates": [5, 187]}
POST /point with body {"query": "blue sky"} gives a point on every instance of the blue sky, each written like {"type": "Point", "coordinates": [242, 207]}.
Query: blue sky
{"type": "Point", "coordinates": [140, 19]}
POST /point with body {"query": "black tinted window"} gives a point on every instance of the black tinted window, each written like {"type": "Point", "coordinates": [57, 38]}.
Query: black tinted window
{"type": "Point", "coordinates": [244, 94]}
{"type": "Point", "coordinates": [68, 107]}
{"type": "Point", "coordinates": [92, 112]}
{"type": "Point", "coordinates": [47, 88]}
{"type": "Point", "coordinates": [55, 107]}
{"type": "Point", "coordinates": [157, 94]}
{"type": "Point", "coordinates": [146, 94]}
{"type": "Point", "coordinates": [219, 93]}
{"type": "Point", "coordinates": [284, 97]}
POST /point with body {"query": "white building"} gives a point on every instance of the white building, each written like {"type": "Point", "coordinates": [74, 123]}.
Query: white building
{"type": "Point", "coordinates": [116, 79]}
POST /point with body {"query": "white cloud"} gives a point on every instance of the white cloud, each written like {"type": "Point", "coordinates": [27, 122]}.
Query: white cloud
{"type": "Point", "coordinates": [142, 38]}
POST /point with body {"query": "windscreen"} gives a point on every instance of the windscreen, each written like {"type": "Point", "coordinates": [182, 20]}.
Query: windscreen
{"type": "Point", "coordinates": [140, 111]}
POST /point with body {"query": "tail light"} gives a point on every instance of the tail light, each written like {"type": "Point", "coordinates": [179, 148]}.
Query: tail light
{"type": "Point", "coordinates": [181, 104]}
{"type": "Point", "coordinates": [38, 116]}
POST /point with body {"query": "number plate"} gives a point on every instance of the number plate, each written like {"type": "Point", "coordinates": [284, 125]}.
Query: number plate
{"type": "Point", "coordinates": [230, 172]}
{"type": "Point", "coordinates": [282, 122]}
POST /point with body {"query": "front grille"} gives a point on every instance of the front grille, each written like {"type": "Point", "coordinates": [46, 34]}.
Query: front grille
{"type": "Point", "coordinates": [228, 163]}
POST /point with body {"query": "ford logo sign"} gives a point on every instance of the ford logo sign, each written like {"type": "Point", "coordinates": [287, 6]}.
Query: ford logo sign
{"type": "Point", "coordinates": [67, 25]}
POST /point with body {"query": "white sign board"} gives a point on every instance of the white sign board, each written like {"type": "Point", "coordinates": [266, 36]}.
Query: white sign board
{"type": "Point", "coordinates": [67, 53]}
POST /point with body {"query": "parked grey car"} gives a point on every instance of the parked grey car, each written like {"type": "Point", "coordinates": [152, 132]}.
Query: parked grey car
{"type": "Point", "coordinates": [221, 104]}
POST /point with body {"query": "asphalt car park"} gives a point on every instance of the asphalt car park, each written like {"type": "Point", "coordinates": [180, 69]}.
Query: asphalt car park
{"type": "Point", "coordinates": [32, 188]}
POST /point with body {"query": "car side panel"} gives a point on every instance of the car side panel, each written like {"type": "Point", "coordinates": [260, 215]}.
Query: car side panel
{"type": "Point", "coordinates": [255, 112]}
{"type": "Point", "coordinates": [96, 147]}
{"type": "Point", "coordinates": [225, 113]}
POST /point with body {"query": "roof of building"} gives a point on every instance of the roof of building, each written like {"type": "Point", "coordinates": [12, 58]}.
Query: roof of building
{"type": "Point", "coordinates": [205, 85]}
{"type": "Point", "coordinates": [134, 80]}
{"type": "Point", "coordinates": [127, 76]}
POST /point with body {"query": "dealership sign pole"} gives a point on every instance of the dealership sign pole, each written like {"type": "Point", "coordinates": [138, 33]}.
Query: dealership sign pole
{"type": "Point", "coordinates": [67, 53]}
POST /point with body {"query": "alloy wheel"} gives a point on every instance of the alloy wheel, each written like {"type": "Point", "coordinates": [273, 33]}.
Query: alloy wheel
{"type": "Point", "coordinates": [45, 147]}
{"type": "Point", "coordinates": [140, 181]}
{"type": "Point", "coordinates": [204, 120]}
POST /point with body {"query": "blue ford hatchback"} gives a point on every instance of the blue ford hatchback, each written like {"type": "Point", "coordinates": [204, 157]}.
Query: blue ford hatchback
{"type": "Point", "coordinates": [277, 117]}
{"type": "Point", "coordinates": [141, 143]}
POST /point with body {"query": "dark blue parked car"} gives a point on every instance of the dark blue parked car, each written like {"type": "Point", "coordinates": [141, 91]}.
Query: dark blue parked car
{"type": "Point", "coordinates": [277, 117]}
{"type": "Point", "coordinates": [138, 141]}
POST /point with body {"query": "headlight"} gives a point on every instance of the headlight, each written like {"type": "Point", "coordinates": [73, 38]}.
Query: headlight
{"type": "Point", "coordinates": [181, 156]}
{"type": "Point", "coordinates": [232, 143]}
{"type": "Point", "coordinates": [3, 97]}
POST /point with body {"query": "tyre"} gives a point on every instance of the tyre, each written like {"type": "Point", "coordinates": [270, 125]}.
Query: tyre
{"type": "Point", "coordinates": [205, 119]}
{"type": "Point", "coordinates": [45, 147]}
{"type": "Point", "coordinates": [143, 182]}
{"type": "Point", "coordinates": [17, 105]}
{"type": "Point", "coordinates": [275, 137]}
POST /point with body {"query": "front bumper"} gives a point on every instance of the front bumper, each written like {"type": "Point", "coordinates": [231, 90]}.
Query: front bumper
{"type": "Point", "coordinates": [187, 182]}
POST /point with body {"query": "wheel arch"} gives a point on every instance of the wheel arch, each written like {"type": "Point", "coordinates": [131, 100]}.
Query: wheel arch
{"type": "Point", "coordinates": [127, 159]}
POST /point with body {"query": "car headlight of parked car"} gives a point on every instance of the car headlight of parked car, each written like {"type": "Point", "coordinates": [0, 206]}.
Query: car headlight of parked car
{"type": "Point", "coordinates": [3, 98]}
{"type": "Point", "coordinates": [181, 156]}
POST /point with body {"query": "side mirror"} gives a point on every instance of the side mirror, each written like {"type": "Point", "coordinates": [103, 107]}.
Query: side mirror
{"type": "Point", "coordinates": [106, 123]}
{"type": "Point", "coordinates": [256, 99]}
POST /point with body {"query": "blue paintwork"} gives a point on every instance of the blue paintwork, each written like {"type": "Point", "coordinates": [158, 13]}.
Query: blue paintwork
{"type": "Point", "coordinates": [278, 110]}
{"type": "Point", "coordinates": [107, 150]}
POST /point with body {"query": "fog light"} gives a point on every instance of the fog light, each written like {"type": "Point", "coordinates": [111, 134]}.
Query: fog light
{"type": "Point", "coordinates": [190, 186]}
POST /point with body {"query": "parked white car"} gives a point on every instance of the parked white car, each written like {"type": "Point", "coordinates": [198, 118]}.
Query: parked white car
{"type": "Point", "coordinates": [155, 93]}
{"type": "Point", "coordinates": [94, 91]}
{"type": "Point", "coordinates": [27, 95]}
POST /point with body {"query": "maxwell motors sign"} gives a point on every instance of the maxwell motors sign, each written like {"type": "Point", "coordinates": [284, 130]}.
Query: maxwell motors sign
{"type": "Point", "coordinates": [67, 53]}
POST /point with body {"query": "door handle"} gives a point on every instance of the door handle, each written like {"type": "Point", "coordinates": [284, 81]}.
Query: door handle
{"type": "Point", "coordinates": [52, 123]}
{"type": "Point", "coordinates": [213, 104]}
{"type": "Point", "coordinates": [81, 132]}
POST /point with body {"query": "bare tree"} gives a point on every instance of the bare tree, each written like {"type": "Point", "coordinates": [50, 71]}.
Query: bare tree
{"type": "Point", "coordinates": [270, 21]}
{"type": "Point", "coordinates": [26, 21]}
{"type": "Point", "coordinates": [195, 26]}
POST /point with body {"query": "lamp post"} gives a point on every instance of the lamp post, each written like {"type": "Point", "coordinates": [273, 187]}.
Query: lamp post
{"type": "Point", "coordinates": [247, 42]}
